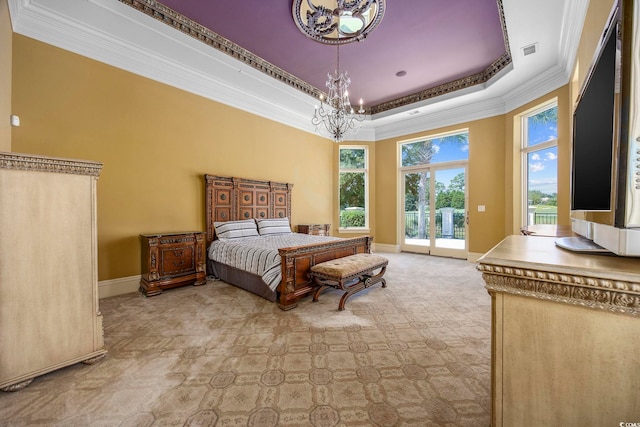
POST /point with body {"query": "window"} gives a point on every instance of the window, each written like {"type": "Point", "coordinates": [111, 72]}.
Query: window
{"type": "Point", "coordinates": [540, 165]}
{"type": "Point", "coordinates": [446, 148]}
{"type": "Point", "coordinates": [353, 188]}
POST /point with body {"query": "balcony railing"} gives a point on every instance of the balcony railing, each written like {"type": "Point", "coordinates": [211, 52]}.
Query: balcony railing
{"type": "Point", "coordinates": [545, 218]}
{"type": "Point", "coordinates": [411, 224]}
{"type": "Point", "coordinates": [455, 231]}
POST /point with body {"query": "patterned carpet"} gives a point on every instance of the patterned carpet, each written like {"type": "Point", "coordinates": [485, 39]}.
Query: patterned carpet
{"type": "Point", "coordinates": [416, 353]}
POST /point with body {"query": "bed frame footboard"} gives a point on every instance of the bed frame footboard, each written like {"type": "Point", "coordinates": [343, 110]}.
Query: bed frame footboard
{"type": "Point", "coordinates": [297, 262]}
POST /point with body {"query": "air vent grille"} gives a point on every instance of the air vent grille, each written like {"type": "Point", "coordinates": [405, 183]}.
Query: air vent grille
{"type": "Point", "coordinates": [530, 50]}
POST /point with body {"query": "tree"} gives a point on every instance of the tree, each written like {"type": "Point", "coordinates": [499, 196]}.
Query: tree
{"type": "Point", "coordinates": [547, 116]}
{"type": "Point", "coordinates": [457, 183]}
{"type": "Point", "coordinates": [352, 158]}
{"type": "Point", "coordinates": [352, 185]}
{"type": "Point", "coordinates": [418, 153]}
{"type": "Point", "coordinates": [351, 190]}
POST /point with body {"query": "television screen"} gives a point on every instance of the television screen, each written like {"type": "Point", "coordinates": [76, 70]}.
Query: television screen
{"type": "Point", "coordinates": [593, 134]}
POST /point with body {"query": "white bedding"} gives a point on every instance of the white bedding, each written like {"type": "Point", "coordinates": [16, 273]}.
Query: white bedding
{"type": "Point", "coordinates": [259, 255]}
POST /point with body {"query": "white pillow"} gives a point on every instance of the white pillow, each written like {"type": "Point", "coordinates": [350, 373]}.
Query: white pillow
{"type": "Point", "coordinates": [236, 229]}
{"type": "Point", "coordinates": [273, 226]}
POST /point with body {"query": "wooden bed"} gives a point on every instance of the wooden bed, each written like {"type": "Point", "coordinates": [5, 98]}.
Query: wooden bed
{"type": "Point", "coordinates": [231, 199]}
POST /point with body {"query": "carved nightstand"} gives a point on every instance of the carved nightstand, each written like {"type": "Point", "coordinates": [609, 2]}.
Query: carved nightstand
{"type": "Point", "coordinates": [172, 259]}
{"type": "Point", "coordinates": [315, 229]}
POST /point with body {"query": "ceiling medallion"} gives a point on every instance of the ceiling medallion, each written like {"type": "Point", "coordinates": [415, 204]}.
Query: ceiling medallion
{"type": "Point", "coordinates": [349, 21]}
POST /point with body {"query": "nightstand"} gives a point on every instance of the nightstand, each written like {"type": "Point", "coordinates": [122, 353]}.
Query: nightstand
{"type": "Point", "coordinates": [172, 259]}
{"type": "Point", "coordinates": [315, 229]}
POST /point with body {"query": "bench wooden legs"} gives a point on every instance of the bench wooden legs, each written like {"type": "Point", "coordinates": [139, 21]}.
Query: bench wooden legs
{"type": "Point", "coordinates": [351, 287]}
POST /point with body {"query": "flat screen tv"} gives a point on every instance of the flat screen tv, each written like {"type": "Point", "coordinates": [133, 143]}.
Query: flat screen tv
{"type": "Point", "coordinates": [593, 133]}
{"type": "Point", "coordinates": [605, 155]}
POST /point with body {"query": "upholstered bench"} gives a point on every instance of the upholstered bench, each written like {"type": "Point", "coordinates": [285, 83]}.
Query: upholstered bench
{"type": "Point", "coordinates": [352, 274]}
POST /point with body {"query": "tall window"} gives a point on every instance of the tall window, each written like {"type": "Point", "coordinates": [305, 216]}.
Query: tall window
{"type": "Point", "coordinates": [540, 165]}
{"type": "Point", "coordinates": [354, 178]}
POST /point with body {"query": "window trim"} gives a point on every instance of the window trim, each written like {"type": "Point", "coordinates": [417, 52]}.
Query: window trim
{"type": "Point", "coordinates": [365, 171]}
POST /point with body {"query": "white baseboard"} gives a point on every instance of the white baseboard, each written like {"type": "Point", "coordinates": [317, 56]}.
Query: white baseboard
{"type": "Point", "coordinates": [113, 287]}
{"type": "Point", "coordinates": [384, 247]}
{"type": "Point", "coordinates": [126, 285]}
{"type": "Point", "coordinates": [474, 256]}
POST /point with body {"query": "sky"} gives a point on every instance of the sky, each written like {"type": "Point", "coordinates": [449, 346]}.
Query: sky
{"type": "Point", "coordinates": [448, 152]}
{"type": "Point", "coordinates": [543, 164]}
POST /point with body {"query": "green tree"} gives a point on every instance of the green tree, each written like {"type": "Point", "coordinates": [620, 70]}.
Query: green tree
{"type": "Point", "coordinates": [457, 183]}
{"type": "Point", "coordinates": [419, 153]}
{"type": "Point", "coordinates": [535, 197]}
{"type": "Point", "coordinates": [351, 190]}
{"type": "Point", "coordinates": [547, 116]}
{"type": "Point", "coordinates": [352, 158]}
{"type": "Point", "coordinates": [352, 185]}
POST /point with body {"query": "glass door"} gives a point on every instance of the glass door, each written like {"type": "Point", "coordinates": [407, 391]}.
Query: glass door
{"type": "Point", "coordinates": [416, 221]}
{"type": "Point", "coordinates": [435, 211]}
{"type": "Point", "coordinates": [450, 212]}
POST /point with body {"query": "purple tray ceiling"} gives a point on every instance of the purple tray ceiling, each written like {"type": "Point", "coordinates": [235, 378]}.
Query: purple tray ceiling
{"type": "Point", "coordinates": [435, 42]}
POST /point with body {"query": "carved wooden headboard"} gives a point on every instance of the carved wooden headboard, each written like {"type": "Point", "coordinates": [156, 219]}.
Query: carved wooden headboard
{"type": "Point", "coordinates": [231, 198]}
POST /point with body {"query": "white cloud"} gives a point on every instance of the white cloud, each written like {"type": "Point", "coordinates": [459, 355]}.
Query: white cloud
{"type": "Point", "coordinates": [465, 147]}
{"type": "Point", "coordinates": [550, 156]}
{"type": "Point", "coordinates": [535, 156]}
{"type": "Point", "coordinates": [536, 167]}
{"type": "Point", "coordinates": [544, 181]}
{"type": "Point", "coordinates": [435, 148]}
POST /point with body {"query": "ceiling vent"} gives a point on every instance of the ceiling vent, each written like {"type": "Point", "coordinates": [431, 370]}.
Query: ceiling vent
{"type": "Point", "coordinates": [530, 50]}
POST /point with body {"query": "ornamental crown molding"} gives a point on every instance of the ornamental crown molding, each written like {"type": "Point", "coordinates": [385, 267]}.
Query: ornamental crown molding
{"type": "Point", "coordinates": [112, 32]}
{"type": "Point", "coordinates": [34, 163]}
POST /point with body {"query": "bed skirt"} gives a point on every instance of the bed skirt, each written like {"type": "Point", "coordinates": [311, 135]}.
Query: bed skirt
{"type": "Point", "coordinates": [241, 279]}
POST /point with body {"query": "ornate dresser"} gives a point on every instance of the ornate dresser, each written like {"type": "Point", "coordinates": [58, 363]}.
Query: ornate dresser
{"type": "Point", "coordinates": [565, 347]}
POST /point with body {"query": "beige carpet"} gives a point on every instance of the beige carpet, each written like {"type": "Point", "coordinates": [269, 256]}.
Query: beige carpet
{"type": "Point", "coordinates": [416, 353]}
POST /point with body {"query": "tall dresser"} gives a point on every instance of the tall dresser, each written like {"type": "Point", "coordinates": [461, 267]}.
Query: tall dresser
{"type": "Point", "coordinates": [49, 315]}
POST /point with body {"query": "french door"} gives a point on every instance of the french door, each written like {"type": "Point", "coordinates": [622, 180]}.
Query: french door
{"type": "Point", "coordinates": [434, 210]}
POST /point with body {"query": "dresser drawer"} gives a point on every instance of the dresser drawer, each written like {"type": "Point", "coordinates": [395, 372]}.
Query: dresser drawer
{"type": "Point", "coordinates": [177, 260]}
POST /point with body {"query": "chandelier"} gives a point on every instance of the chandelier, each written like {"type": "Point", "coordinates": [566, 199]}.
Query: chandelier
{"type": "Point", "coordinates": [335, 116]}
{"type": "Point", "coordinates": [350, 21]}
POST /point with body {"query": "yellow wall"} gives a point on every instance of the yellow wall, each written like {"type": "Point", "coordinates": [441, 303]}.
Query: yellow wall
{"type": "Point", "coordinates": [6, 36]}
{"type": "Point", "coordinates": [494, 175]}
{"type": "Point", "coordinates": [156, 142]}
{"type": "Point", "coordinates": [485, 183]}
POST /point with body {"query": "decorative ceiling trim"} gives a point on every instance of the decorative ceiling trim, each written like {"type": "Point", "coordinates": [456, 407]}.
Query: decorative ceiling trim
{"type": "Point", "coordinates": [443, 89]}
{"type": "Point", "coordinates": [181, 23]}
{"type": "Point", "coordinates": [187, 26]}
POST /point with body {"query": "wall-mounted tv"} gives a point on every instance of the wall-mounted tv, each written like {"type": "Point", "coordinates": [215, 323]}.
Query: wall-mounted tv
{"type": "Point", "coordinates": [605, 158]}
{"type": "Point", "coordinates": [594, 134]}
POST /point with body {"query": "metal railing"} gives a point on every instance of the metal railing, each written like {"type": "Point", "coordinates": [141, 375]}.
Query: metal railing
{"type": "Point", "coordinates": [411, 226]}
{"type": "Point", "coordinates": [545, 218]}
